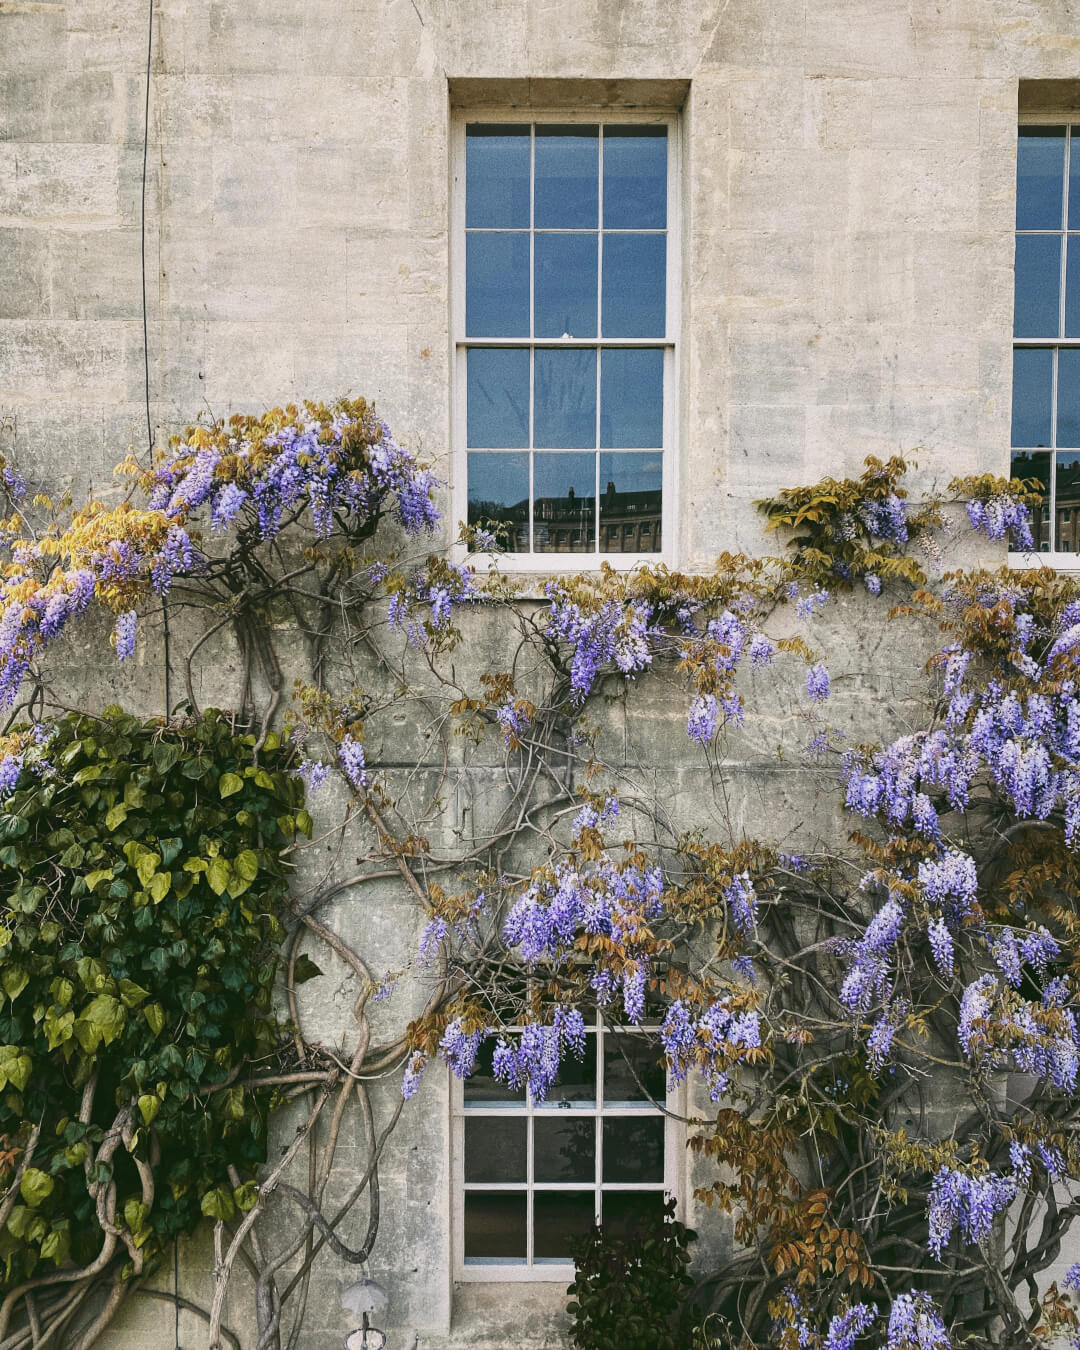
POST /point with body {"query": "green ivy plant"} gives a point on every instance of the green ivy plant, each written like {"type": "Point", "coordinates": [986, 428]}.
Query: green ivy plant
{"type": "Point", "coordinates": [142, 879]}
{"type": "Point", "coordinates": [629, 1292]}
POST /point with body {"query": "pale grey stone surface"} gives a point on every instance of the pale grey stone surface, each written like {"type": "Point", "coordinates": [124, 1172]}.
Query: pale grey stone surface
{"type": "Point", "coordinates": [848, 179]}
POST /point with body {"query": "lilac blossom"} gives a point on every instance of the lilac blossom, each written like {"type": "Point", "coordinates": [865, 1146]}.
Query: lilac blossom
{"type": "Point", "coordinates": [1001, 515]}
{"type": "Point", "coordinates": [703, 720]}
{"type": "Point", "coordinates": [817, 683]}
{"type": "Point", "coordinates": [968, 1203]}
{"type": "Point", "coordinates": [845, 1328]}
{"type": "Point", "coordinates": [124, 634]}
{"type": "Point", "coordinates": [459, 1048]}
{"type": "Point", "coordinates": [414, 1072]}
{"type": "Point", "coordinates": [351, 759]}
{"type": "Point", "coordinates": [915, 1324]}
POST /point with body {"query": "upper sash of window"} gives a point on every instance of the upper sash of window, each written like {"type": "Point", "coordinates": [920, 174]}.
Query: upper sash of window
{"type": "Point", "coordinates": [566, 231]}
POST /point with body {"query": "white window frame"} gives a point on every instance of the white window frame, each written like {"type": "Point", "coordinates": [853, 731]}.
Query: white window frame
{"type": "Point", "coordinates": [550, 1272]}
{"type": "Point", "coordinates": [546, 563]}
{"type": "Point", "coordinates": [1061, 560]}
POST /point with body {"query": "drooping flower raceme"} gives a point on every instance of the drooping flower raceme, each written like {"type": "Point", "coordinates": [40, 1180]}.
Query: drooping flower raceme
{"type": "Point", "coordinates": [915, 1324]}
{"type": "Point", "coordinates": [967, 1203]}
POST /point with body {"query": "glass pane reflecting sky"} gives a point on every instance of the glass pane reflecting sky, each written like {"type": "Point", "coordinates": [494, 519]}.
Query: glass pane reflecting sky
{"type": "Point", "coordinates": [497, 176]}
{"type": "Point", "coordinates": [635, 178]}
{"type": "Point", "coordinates": [567, 177]}
{"type": "Point", "coordinates": [632, 397]}
{"type": "Point", "coordinates": [497, 408]}
{"type": "Point", "coordinates": [1040, 177]}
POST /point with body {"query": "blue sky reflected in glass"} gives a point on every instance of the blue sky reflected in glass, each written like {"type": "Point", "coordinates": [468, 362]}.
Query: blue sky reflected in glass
{"type": "Point", "coordinates": [567, 178]}
{"type": "Point", "coordinates": [634, 285]}
{"type": "Point", "coordinates": [564, 399]}
{"type": "Point", "coordinates": [1033, 373]}
{"type": "Point", "coordinates": [1068, 390]}
{"type": "Point", "coordinates": [497, 408]}
{"type": "Point", "coordinates": [557, 475]}
{"type": "Point", "coordinates": [497, 177]}
{"type": "Point", "coordinates": [632, 397]}
{"type": "Point", "coordinates": [497, 285]}
{"type": "Point", "coordinates": [564, 285]}
{"type": "Point", "coordinates": [1037, 285]}
{"type": "Point", "coordinates": [635, 178]}
{"type": "Point", "coordinates": [630, 473]}
{"type": "Point", "coordinates": [1040, 167]}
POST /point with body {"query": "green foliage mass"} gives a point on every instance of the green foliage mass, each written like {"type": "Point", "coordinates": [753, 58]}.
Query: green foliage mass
{"type": "Point", "coordinates": [629, 1291]}
{"type": "Point", "coordinates": [142, 878]}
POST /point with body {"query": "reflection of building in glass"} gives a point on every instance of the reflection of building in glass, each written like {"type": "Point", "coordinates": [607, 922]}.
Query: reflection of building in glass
{"type": "Point", "coordinates": [629, 522]}
{"type": "Point", "coordinates": [564, 524]}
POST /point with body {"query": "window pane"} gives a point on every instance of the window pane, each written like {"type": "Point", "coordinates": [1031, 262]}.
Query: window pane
{"type": "Point", "coordinates": [558, 1217]}
{"type": "Point", "coordinates": [564, 1148]}
{"type": "Point", "coordinates": [498, 397]}
{"type": "Point", "coordinates": [632, 397]}
{"type": "Point", "coordinates": [635, 178]}
{"type": "Point", "coordinates": [565, 400]}
{"type": "Point", "coordinates": [494, 1226]}
{"type": "Point", "coordinates": [633, 1067]}
{"type": "Point", "coordinates": [1072, 286]}
{"type": "Point", "coordinates": [497, 177]}
{"type": "Point", "coordinates": [1068, 391]}
{"type": "Point", "coordinates": [634, 1148]}
{"type": "Point", "coordinates": [564, 504]}
{"type": "Point", "coordinates": [497, 285]}
{"type": "Point", "coordinates": [631, 499]}
{"type": "Point", "coordinates": [567, 178]}
{"type": "Point", "coordinates": [482, 1087]}
{"type": "Point", "coordinates": [1074, 182]}
{"type": "Point", "coordinates": [564, 287]}
{"type": "Point", "coordinates": [634, 285]}
{"type": "Point", "coordinates": [1033, 370]}
{"type": "Point", "coordinates": [1037, 285]}
{"type": "Point", "coordinates": [1040, 165]}
{"type": "Point", "coordinates": [1068, 497]}
{"type": "Point", "coordinates": [499, 496]}
{"type": "Point", "coordinates": [495, 1148]}
{"type": "Point", "coordinates": [1035, 466]}
{"type": "Point", "coordinates": [576, 1081]}
{"type": "Point", "coordinates": [623, 1212]}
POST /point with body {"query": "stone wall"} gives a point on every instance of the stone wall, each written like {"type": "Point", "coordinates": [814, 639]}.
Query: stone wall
{"type": "Point", "coordinates": [848, 171]}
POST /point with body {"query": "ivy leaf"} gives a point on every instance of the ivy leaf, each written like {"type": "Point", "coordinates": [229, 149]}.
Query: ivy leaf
{"type": "Point", "coordinates": [305, 969]}
{"type": "Point", "coordinates": [218, 1204]}
{"type": "Point", "coordinates": [14, 980]}
{"type": "Point", "coordinates": [246, 1195]}
{"type": "Point", "coordinates": [131, 994]}
{"type": "Point", "coordinates": [155, 1017]}
{"type": "Point", "coordinates": [56, 1246]}
{"type": "Point", "coordinates": [230, 783]}
{"type": "Point", "coordinates": [166, 753]}
{"type": "Point", "coordinates": [246, 864]}
{"type": "Point", "coordinates": [304, 823]}
{"type": "Point", "coordinates": [160, 885]}
{"type": "Point", "coordinates": [217, 875]}
{"type": "Point", "coordinates": [36, 1187]}
{"type": "Point", "coordinates": [15, 1067]}
{"type": "Point", "coordinates": [147, 866]}
{"type": "Point", "coordinates": [115, 816]}
{"type": "Point", "coordinates": [59, 1028]}
{"type": "Point", "coordinates": [102, 1019]}
{"type": "Point", "coordinates": [149, 1105]}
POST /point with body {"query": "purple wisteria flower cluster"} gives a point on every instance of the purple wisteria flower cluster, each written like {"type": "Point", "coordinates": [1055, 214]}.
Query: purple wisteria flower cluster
{"type": "Point", "coordinates": [610, 634]}
{"type": "Point", "coordinates": [915, 1324]}
{"type": "Point", "coordinates": [846, 1327]}
{"type": "Point", "coordinates": [339, 464]}
{"type": "Point", "coordinates": [601, 898]}
{"type": "Point", "coordinates": [1002, 515]}
{"type": "Point", "coordinates": [967, 1203]}
{"type": "Point", "coordinates": [710, 1043]}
